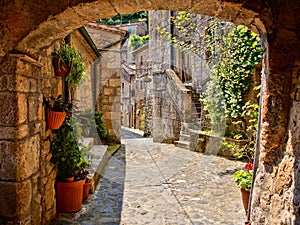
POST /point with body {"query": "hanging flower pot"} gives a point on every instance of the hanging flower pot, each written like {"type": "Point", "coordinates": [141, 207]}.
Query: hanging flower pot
{"type": "Point", "coordinates": [61, 69]}
{"type": "Point", "coordinates": [55, 119]}
{"type": "Point", "coordinates": [245, 198]}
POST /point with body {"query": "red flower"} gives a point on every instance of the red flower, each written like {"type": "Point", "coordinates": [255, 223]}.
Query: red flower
{"type": "Point", "coordinates": [249, 166]}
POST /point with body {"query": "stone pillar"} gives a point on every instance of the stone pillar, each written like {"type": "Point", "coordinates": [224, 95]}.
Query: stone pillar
{"type": "Point", "coordinates": [109, 100]}
{"type": "Point", "coordinates": [277, 179]}
{"type": "Point", "coordinates": [20, 121]}
{"type": "Point", "coordinates": [27, 175]}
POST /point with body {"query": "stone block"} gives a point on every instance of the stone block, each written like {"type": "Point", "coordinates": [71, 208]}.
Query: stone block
{"type": "Point", "coordinates": [15, 199]}
{"type": "Point", "coordinates": [8, 66]}
{"type": "Point", "coordinates": [114, 82]}
{"type": "Point", "coordinates": [19, 160]}
{"type": "Point", "coordinates": [13, 114]}
{"type": "Point", "coordinates": [33, 106]}
{"type": "Point", "coordinates": [49, 195]}
{"type": "Point", "coordinates": [108, 91]}
{"type": "Point", "coordinates": [13, 133]}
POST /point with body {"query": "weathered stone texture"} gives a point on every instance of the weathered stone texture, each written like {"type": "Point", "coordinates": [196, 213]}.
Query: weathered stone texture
{"type": "Point", "coordinates": [15, 199]}
{"type": "Point", "coordinates": [276, 181]}
{"type": "Point", "coordinates": [19, 159]}
{"type": "Point", "coordinates": [30, 26]}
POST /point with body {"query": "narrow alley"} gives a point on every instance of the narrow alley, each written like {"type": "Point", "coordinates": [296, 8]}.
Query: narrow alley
{"type": "Point", "coordinates": [154, 183]}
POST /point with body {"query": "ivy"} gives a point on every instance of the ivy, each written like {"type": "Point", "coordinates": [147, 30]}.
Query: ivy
{"type": "Point", "coordinates": [136, 41]}
{"type": "Point", "coordinates": [232, 52]}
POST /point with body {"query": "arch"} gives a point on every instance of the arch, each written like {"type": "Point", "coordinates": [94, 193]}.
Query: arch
{"type": "Point", "coordinates": [28, 31]}
{"type": "Point", "coordinates": [30, 26]}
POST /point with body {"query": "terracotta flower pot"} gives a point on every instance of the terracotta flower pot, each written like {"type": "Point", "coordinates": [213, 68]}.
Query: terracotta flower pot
{"type": "Point", "coordinates": [245, 198]}
{"type": "Point", "coordinates": [61, 69]}
{"type": "Point", "coordinates": [55, 119]}
{"type": "Point", "coordinates": [69, 196]}
{"type": "Point", "coordinates": [69, 179]}
{"type": "Point", "coordinates": [86, 189]}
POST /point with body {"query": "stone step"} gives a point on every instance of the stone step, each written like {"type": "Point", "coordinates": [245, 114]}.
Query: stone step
{"type": "Point", "coordinates": [183, 144]}
{"type": "Point", "coordinates": [184, 137]}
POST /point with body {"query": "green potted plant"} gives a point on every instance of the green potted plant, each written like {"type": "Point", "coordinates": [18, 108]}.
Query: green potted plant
{"type": "Point", "coordinates": [55, 111]}
{"type": "Point", "coordinates": [243, 179]}
{"type": "Point", "coordinates": [69, 158]}
{"type": "Point", "coordinates": [71, 57]}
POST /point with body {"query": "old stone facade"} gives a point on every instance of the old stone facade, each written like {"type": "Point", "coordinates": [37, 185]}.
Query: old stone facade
{"type": "Point", "coordinates": [31, 27]}
{"type": "Point", "coordinates": [108, 85]}
{"type": "Point", "coordinates": [27, 186]}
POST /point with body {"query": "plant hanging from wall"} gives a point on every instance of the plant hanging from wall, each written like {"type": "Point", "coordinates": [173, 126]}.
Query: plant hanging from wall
{"type": "Point", "coordinates": [67, 54]}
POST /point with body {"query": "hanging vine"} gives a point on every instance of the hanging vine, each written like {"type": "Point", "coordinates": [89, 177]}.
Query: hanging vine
{"type": "Point", "coordinates": [232, 52]}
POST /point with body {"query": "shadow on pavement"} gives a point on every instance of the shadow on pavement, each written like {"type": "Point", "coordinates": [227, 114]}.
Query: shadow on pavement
{"type": "Point", "coordinates": [128, 134]}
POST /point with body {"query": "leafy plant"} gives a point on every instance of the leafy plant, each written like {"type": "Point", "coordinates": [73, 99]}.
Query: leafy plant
{"type": "Point", "coordinates": [232, 52]}
{"type": "Point", "coordinates": [136, 41]}
{"type": "Point", "coordinates": [67, 153]}
{"type": "Point", "coordinates": [73, 58]}
{"type": "Point", "coordinates": [57, 104]}
{"type": "Point", "coordinates": [243, 178]}
{"type": "Point", "coordinates": [125, 18]}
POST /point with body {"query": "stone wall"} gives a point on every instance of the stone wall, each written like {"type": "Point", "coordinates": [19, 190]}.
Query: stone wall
{"type": "Point", "coordinates": [26, 174]}
{"type": "Point", "coordinates": [31, 26]}
{"type": "Point", "coordinates": [85, 93]}
{"type": "Point", "coordinates": [109, 94]}
{"type": "Point", "coordinates": [171, 106]}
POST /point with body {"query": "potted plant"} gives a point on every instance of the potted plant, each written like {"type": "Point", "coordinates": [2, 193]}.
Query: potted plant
{"type": "Point", "coordinates": [55, 111]}
{"type": "Point", "coordinates": [243, 179]}
{"type": "Point", "coordinates": [71, 57]}
{"type": "Point", "coordinates": [83, 175]}
{"type": "Point", "coordinates": [68, 157]}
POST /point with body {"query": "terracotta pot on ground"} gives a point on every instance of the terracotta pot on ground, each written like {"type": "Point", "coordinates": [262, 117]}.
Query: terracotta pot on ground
{"type": "Point", "coordinates": [55, 119]}
{"type": "Point", "coordinates": [245, 198]}
{"type": "Point", "coordinates": [69, 179]}
{"type": "Point", "coordinates": [69, 196]}
{"type": "Point", "coordinates": [61, 69]}
{"type": "Point", "coordinates": [86, 189]}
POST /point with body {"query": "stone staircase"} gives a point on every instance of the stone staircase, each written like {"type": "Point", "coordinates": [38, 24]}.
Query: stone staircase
{"type": "Point", "coordinates": [195, 121]}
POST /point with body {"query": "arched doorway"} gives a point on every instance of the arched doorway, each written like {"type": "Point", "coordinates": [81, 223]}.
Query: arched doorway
{"type": "Point", "coordinates": [30, 27]}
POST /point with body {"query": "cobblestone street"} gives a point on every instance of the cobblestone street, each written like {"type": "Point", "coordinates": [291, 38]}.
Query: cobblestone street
{"type": "Point", "coordinates": [154, 183]}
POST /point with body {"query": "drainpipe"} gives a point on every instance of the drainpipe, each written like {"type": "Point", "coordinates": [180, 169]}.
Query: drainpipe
{"type": "Point", "coordinates": [257, 152]}
{"type": "Point", "coordinates": [171, 45]}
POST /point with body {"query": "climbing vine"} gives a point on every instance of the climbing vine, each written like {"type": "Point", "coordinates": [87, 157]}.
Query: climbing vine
{"type": "Point", "coordinates": [232, 52]}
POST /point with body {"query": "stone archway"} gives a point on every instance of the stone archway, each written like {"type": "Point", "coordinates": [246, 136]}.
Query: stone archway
{"type": "Point", "coordinates": [28, 27]}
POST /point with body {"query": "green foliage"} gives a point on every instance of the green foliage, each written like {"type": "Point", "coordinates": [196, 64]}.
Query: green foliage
{"type": "Point", "coordinates": [73, 58]}
{"type": "Point", "coordinates": [125, 18]}
{"type": "Point", "coordinates": [67, 154]}
{"type": "Point", "coordinates": [136, 41]}
{"type": "Point", "coordinates": [57, 104]}
{"type": "Point", "coordinates": [239, 54]}
{"type": "Point", "coordinates": [243, 178]}
{"type": "Point", "coordinates": [232, 52]}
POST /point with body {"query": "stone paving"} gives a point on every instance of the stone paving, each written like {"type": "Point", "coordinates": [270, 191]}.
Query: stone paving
{"type": "Point", "coordinates": [159, 184]}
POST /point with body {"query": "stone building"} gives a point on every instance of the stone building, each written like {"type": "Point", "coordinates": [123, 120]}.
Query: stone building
{"type": "Point", "coordinates": [29, 195]}
{"type": "Point", "coordinates": [30, 28]}
{"type": "Point", "coordinates": [127, 93]}
{"type": "Point", "coordinates": [108, 41]}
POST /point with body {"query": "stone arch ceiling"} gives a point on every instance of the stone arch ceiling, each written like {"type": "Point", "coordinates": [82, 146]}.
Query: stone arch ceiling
{"type": "Point", "coordinates": [30, 25]}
